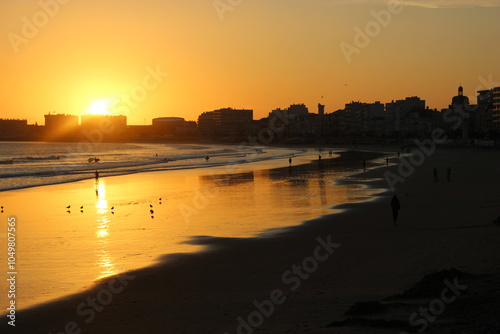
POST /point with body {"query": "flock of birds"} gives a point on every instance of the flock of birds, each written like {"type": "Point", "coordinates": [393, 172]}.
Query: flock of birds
{"type": "Point", "coordinates": [151, 211]}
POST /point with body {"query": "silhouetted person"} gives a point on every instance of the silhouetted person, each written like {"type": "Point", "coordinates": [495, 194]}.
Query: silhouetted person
{"type": "Point", "coordinates": [436, 178]}
{"type": "Point", "coordinates": [364, 164]}
{"type": "Point", "coordinates": [319, 157]}
{"type": "Point", "coordinates": [387, 161]}
{"type": "Point", "coordinates": [395, 206]}
{"type": "Point", "coordinates": [96, 175]}
{"type": "Point", "coordinates": [398, 154]}
{"type": "Point", "coordinates": [448, 174]}
{"type": "Point", "coordinates": [290, 161]}
{"type": "Point", "coordinates": [206, 158]}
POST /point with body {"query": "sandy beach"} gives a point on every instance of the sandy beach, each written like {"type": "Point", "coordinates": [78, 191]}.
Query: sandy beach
{"type": "Point", "coordinates": [304, 278]}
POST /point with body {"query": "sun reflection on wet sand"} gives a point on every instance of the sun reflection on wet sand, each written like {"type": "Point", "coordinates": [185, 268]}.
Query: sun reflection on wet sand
{"type": "Point", "coordinates": [102, 202]}
{"type": "Point", "coordinates": [104, 259]}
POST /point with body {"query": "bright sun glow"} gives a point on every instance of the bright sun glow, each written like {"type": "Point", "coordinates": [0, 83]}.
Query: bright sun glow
{"type": "Point", "coordinates": [99, 107]}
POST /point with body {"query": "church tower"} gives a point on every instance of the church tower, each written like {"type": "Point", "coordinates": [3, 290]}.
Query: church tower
{"type": "Point", "coordinates": [460, 99]}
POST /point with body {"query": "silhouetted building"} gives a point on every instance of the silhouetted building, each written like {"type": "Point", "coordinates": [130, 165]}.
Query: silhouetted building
{"type": "Point", "coordinates": [401, 116]}
{"type": "Point", "coordinates": [167, 125]}
{"type": "Point", "coordinates": [291, 112]}
{"type": "Point", "coordinates": [496, 108]}
{"type": "Point", "coordinates": [61, 127]}
{"type": "Point", "coordinates": [103, 127]}
{"type": "Point", "coordinates": [460, 99]}
{"type": "Point", "coordinates": [458, 108]}
{"type": "Point", "coordinates": [365, 119]}
{"type": "Point", "coordinates": [225, 124]}
{"type": "Point", "coordinates": [173, 127]}
{"type": "Point", "coordinates": [482, 119]}
{"type": "Point", "coordinates": [13, 129]}
{"type": "Point", "coordinates": [189, 129]}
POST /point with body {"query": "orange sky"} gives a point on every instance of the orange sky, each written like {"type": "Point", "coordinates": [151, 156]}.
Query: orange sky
{"type": "Point", "coordinates": [257, 54]}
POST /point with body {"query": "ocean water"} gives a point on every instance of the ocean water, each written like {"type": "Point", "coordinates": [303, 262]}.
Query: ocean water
{"type": "Point", "coordinates": [24, 164]}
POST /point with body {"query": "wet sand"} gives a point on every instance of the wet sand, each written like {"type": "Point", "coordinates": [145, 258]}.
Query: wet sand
{"type": "Point", "coordinates": [301, 279]}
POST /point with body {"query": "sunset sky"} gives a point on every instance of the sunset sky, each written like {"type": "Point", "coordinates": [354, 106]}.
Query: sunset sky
{"type": "Point", "coordinates": [155, 58]}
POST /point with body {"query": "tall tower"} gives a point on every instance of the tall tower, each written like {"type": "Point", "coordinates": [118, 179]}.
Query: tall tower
{"type": "Point", "coordinates": [321, 109]}
{"type": "Point", "coordinates": [460, 99]}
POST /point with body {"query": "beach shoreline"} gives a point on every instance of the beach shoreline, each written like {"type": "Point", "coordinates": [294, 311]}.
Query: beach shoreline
{"type": "Point", "coordinates": [193, 203]}
{"type": "Point", "coordinates": [369, 258]}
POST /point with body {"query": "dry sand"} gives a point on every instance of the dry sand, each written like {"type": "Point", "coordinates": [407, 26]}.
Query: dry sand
{"type": "Point", "coordinates": [441, 225]}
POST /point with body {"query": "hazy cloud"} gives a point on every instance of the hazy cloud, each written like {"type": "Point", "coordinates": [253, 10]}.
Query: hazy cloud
{"type": "Point", "coordinates": [426, 3]}
{"type": "Point", "coordinates": [451, 3]}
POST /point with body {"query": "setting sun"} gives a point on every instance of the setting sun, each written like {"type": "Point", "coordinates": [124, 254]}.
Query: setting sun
{"type": "Point", "coordinates": [99, 107]}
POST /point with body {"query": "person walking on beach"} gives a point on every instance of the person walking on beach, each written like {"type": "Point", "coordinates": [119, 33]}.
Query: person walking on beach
{"type": "Point", "coordinates": [387, 161]}
{"type": "Point", "coordinates": [436, 178]}
{"type": "Point", "coordinates": [448, 174]}
{"type": "Point", "coordinates": [364, 165]}
{"type": "Point", "coordinates": [96, 175]}
{"type": "Point", "coordinates": [290, 161]}
{"type": "Point", "coordinates": [395, 206]}
{"type": "Point", "coordinates": [206, 158]}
